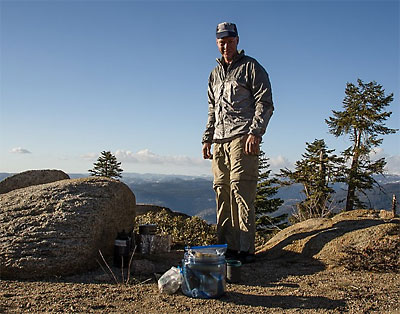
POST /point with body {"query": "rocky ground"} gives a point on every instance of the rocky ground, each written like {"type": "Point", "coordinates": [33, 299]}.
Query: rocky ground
{"type": "Point", "coordinates": [284, 285]}
{"type": "Point", "coordinates": [299, 270]}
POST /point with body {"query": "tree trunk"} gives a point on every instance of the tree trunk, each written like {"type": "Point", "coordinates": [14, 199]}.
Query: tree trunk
{"type": "Point", "coordinates": [322, 184]}
{"type": "Point", "coordinates": [350, 197]}
{"type": "Point", "coordinates": [351, 188]}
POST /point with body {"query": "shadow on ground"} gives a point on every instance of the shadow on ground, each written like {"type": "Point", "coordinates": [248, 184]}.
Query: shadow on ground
{"type": "Point", "coordinates": [283, 302]}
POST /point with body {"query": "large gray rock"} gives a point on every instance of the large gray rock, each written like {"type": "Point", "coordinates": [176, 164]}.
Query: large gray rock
{"type": "Point", "coordinates": [58, 228]}
{"type": "Point", "coordinates": [31, 177]}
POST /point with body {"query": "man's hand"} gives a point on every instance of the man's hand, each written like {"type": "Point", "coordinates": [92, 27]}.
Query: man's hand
{"type": "Point", "coordinates": [207, 151]}
{"type": "Point", "coordinates": [252, 146]}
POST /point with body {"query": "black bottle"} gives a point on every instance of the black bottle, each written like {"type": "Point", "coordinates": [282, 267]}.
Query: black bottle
{"type": "Point", "coordinates": [122, 249]}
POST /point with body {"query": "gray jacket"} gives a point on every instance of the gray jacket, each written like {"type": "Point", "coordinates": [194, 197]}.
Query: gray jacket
{"type": "Point", "coordinates": [239, 98]}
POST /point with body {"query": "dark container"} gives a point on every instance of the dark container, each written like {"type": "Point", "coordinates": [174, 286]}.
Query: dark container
{"type": "Point", "coordinates": [122, 249]}
{"type": "Point", "coordinates": [233, 271]}
{"type": "Point", "coordinates": [148, 229]}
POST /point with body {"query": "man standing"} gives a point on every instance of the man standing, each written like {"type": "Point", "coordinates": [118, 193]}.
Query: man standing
{"type": "Point", "coordinates": [240, 106]}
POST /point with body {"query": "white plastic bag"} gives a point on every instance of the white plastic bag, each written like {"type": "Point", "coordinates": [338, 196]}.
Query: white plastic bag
{"type": "Point", "coordinates": [170, 281]}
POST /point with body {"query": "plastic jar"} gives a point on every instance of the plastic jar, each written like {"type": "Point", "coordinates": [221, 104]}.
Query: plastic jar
{"type": "Point", "coordinates": [204, 275]}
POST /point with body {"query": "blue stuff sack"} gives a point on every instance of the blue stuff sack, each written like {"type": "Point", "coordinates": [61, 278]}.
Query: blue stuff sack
{"type": "Point", "coordinates": [204, 271]}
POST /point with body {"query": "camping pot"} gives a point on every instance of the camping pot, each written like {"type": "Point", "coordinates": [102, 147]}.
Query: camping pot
{"type": "Point", "coordinates": [233, 271]}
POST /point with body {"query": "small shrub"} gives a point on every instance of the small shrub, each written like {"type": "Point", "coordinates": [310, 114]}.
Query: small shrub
{"type": "Point", "coordinates": [184, 231]}
{"type": "Point", "coordinates": [191, 231]}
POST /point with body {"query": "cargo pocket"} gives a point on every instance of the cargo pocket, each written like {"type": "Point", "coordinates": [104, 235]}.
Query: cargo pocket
{"type": "Point", "coordinates": [243, 166]}
{"type": "Point", "coordinates": [219, 165]}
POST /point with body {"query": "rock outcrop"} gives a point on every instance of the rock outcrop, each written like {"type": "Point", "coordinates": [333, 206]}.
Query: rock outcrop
{"type": "Point", "coordinates": [58, 228]}
{"type": "Point", "coordinates": [326, 239]}
{"type": "Point", "coordinates": [31, 177]}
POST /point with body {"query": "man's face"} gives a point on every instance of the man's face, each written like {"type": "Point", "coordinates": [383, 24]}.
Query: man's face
{"type": "Point", "coordinates": [227, 46]}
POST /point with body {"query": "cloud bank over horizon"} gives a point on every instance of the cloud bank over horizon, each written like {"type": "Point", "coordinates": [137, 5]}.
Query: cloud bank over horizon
{"type": "Point", "coordinates": [146, 156]}
{"type": "Point", "coordinates": [155, 161]}
{"type": "Point", "coordinates": [146, 161]}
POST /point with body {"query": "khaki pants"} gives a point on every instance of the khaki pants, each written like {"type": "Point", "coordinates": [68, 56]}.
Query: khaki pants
{"type": "Point", "coordinates": [235, 183]}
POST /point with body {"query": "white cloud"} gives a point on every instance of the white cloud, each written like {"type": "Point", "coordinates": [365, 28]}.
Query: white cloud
{"type": "Point", "coordinates": [20, 150]}
{"type": "Point", "coordinates": [148, 157]}
{"type": "Point", "coordinates": [279, 162]}
{"type": "Point", "coordinates": [393, 164]}
{"type": "Point", "coordinates": [145, 161]}
{"type": "Point", "coordinates": [392, 161]}
{"type": "Point", "coordinates": [175, 163]}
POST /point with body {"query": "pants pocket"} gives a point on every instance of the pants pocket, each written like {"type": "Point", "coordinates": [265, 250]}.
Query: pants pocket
{"type": "Point", "coordinates": [243, 166]}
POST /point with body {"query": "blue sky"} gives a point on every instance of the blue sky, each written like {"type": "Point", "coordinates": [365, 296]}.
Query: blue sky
{"type": "Point", "coordinates": [80, 77]}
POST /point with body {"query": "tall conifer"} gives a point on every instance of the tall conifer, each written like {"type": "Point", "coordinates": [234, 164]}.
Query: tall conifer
{"type": "Point", "coordinates": [362, 120]}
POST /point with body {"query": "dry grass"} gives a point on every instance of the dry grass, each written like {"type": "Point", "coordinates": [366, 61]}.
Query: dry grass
{"type": "Point", "coordinates": [382, 256]}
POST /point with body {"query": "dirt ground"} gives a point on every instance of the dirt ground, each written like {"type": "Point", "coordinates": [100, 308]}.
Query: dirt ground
{"type": "Point", "coordinates": [302, 286]}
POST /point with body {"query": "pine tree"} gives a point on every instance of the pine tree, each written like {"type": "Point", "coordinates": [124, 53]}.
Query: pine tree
{"type": "Point", "coordinates": [318, 169]}
{"type": "Point", "coordinates": [107, 166]}
{"type": "Point", "coordinates": [264, 204]}
{"type": "Point", "coordinates": [362, 120]}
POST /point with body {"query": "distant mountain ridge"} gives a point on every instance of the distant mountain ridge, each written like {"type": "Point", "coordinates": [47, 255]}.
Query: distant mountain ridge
{"type": "Point", "coordinates": [194, 195]}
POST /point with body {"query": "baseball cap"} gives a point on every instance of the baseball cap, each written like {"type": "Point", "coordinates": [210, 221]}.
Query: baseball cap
{"type": "Point", "coordinates": [226, 29]}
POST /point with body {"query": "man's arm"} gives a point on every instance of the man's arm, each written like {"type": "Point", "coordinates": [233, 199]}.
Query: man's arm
{"type": "Point", "coordinates": [262, 93]}
{"type": "Point", "coordinates": [210, 127]}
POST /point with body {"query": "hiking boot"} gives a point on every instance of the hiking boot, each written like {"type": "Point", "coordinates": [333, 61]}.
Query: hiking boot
{"type": "Point", "coordinates": [231, 254]}
{"type": "Point", "coordinates": [246, 257]}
